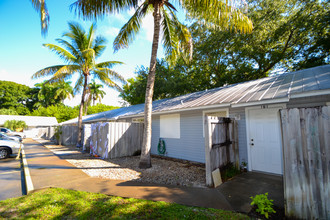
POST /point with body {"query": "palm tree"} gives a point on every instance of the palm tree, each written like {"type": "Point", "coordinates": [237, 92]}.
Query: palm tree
{"type": "Point", "coordinates": [80, 57]}
{"type": "Point", "coordinates": [176, 37]}
{"type": "Point", "coordinates": [95, 91]}
{"type": "Point", "coordinates": [63, 90]}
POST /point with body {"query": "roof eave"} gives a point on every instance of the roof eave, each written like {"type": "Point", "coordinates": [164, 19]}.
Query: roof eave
{"type": "Point", "coordinates": [265, 102]}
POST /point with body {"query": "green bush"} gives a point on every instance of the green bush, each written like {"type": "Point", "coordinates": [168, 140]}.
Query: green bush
{"type": "Point", "coordinates": [61, 112]}
{"type": "Point", "coordinates": [264, 205]}
{"type": "Point", "coordinates": [5, 111]}
{"type": "Point", "coordinates": [15, 125]}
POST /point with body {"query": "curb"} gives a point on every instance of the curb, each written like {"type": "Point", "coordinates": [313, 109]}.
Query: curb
{"type": "Point", "coordinates": [27, 176]}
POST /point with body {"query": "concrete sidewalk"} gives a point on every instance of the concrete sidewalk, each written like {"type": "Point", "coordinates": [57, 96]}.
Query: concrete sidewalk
{"type": "Point", "coordinates": [48, 170]}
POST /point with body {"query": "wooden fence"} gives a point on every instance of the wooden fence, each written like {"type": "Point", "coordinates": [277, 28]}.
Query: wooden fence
{"type": "Point", "coordinates": [221, 144]}
{"type": "Point", "coordinates": [69, 135]}
{"type": "Point", "coordinates": [116, 139]}
{"type": "Point", "coordinates": [306, 150]}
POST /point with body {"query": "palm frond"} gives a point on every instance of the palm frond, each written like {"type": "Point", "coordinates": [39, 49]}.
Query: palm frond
{"type": "Point", "coordinates": [41, 8]}
{"type": "Point", "coordinates": [64, 73]}
{"type": "Point", "coordinates": [98, 8]}
{"type": "Point", "coordinates": [177, 39]}
{"type": "Point", "coordinates": [103, 77]}
{"type": "Point", "coordinates": [77, 35]}
{"type": "Point", "coordinates": [108, 64]}
{"type": "Point", "coordinates": [90, 36]}
{"type": "Point", "coordinates": [68, 46]}
{"type": "Point", "coordinates": [110, 74]}
{"type": "Point", "coordinates": [63, 53]}
{"type": "Point", "coordinates": [132, 27]}
{"type": "Point", "coordinates": [220, 14]}
{"type": "Point", "coordinates": [99, 45]}
{"type": "Point", "coordinates": [79, 84]}
{"type": "Point", "coordinates": [46, 71]}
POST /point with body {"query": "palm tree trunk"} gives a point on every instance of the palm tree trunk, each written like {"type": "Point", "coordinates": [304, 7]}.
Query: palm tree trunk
{"type": "Point", "coordinates": [82, 104]}
{"type": "Point", "coordinates": [145, 161]}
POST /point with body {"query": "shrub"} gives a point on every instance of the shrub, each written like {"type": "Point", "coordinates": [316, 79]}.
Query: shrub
{"type": "Point", "coordinates": [15, 125]}
{"type": "Point", "coordinates": [263, 204]}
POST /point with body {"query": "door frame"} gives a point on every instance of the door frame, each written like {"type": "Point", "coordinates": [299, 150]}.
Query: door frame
{"type": "Point", "coordinates": [248, 119]}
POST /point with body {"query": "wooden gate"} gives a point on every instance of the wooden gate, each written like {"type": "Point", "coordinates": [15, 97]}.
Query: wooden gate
{"type": "Point", "coordinates": [306, 149]}
{"type": "Point", "coordinates": [221, 144]}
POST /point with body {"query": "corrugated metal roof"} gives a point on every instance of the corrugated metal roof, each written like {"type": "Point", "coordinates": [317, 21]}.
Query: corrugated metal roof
{"type": "Point", "coordinates": [270, 89]}
{"type": "Point", "coordinates": [31, 121]}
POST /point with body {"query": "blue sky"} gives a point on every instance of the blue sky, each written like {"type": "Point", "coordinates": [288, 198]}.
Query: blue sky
{"type": "Point", "coordinates": [22, 54]}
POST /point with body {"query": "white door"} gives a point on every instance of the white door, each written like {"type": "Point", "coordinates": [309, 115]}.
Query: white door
{"type": "Point", "coordinates": [265, 140]}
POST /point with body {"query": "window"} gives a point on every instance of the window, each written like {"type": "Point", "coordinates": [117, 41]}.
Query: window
{"type": "Point", "coordinates": [170, 126]}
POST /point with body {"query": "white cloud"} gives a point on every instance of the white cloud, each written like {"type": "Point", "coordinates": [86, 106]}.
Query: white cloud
{"type": "Point", "coordinates": [148, 27]}
{"type": "Point", "coordinates": [112, 31]}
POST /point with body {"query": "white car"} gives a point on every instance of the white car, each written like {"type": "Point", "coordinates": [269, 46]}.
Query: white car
{"type": "Point", "coordinates": [8, 147]}
{"type": "Point", "coordinates": [3, 136]}
{"type": "Point", "coordinates": [9, 132]}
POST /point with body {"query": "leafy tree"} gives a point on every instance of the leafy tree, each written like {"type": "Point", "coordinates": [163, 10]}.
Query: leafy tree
{"type": "Point", "coordinates": [60, 111]}
{"type": "Point", "coordinates": [5, 111]}
{"type": "Point", "coordinates": [80, 56]}
{"type": "Point", "coordinates": [14, 96]}
{"type": "Point", "coordinates": [100, 108]}
{"type": "Point", "coordinates": [222, 57]}
{"type": "Point", "coordinates": [176, 37]}
{"type": "Point", "coordinates": [288, 35]}
{"type": "Point", "coordinates": [169, 82]}
{"type": "Point", "coordinates": [52, 93]}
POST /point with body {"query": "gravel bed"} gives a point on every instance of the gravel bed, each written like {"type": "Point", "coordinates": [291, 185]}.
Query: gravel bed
{"type": "Point", "coordinates": [163, 171]}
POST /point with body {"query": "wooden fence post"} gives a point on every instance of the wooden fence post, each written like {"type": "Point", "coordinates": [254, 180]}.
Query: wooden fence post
{"type": "Point", "coordinates": [208, 146]}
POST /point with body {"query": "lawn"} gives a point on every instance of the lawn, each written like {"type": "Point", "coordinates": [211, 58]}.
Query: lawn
{"type": "Point", "coordinates": [56, 203]}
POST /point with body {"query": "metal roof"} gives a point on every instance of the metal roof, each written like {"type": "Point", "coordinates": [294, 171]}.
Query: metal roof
{"type": "Point", "coordinates": [31, 121]}
{"type": "Point", "coordinates": [274, 89]}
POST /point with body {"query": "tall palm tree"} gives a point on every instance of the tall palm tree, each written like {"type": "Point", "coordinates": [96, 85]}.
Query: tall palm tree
{"type": "Point", "coordinates": [176, 37]}
{"type": "Point", "coordinates": [80, 57]}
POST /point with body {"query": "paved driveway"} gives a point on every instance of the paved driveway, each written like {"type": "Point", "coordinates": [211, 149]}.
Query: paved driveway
{"type": "Point", "coordinates": [10, 178]}
{"type": "Point", "coordinates": [239, 190]}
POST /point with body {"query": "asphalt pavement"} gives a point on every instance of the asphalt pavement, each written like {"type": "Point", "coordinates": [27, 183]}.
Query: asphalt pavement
{"type": "Point", "coordinates": [10, 179]}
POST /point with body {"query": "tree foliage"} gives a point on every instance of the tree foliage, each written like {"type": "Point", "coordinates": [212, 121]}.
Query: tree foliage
{"type": "Point", "coordinates": [15, 125]}
{"type": "Point", "coordinates": [16, 97]}
{"type": "Point", "coordinates": [79, 53]}
{"type": "Point", "coordinates": [5, 111]}
{"type": "Point", "coordinates": [60, 112]}
{"type": "Point", "coordinates": [100, 108]}
{"type": "Point", "coordinates": [52, 93]}
{"type": "Point", "coordinates": [288, 35]}
{"type": "Point", "coordinates": [169, 82]}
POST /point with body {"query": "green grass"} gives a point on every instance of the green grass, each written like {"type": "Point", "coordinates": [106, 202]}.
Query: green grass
{"type": "Point", "coordinates": [56, 203]}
